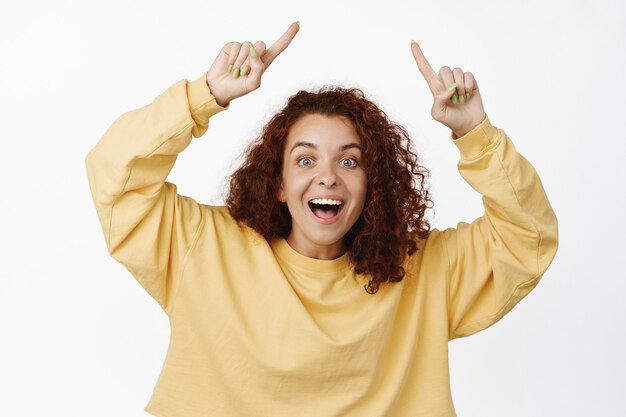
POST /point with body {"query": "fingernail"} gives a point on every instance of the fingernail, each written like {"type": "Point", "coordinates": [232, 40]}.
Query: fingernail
{"type": "Point", "coordinates": [461, 99]}
{"type": "Point", "coordinates": [455, 99]}
{"type": "Point", "coordinates": [245, 69]}
{"type": "Point", "coordinates": [451, 86]}
{"type": "Point", "coordinates": [468, 95]}
{"type": "Point", "coordinates": [236, 73]}
{"type": "Point", "coordinates": [412, 42]}
{"type": "Point", "coordinates": [230, 67]}
{"type": "Point", "coordinates": [253, 52]}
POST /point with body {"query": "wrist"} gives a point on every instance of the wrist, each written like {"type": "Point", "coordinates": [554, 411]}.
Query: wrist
{"type": "Point", "coordinates": [457, 133]}
{"type": "Point", "coordinates": [221, 103]}
{"type": "Point", "coordinates": [218, 99]}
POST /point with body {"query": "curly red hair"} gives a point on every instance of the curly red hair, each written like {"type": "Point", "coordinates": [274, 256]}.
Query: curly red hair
{"type": "Point", "coordinates": [396, 183]}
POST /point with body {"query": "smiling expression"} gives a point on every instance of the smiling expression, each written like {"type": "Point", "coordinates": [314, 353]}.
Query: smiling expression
{"type": "Point", "coordinates": [323, 183]}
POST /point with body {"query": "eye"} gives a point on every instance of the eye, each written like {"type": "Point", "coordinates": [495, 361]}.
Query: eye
{"type": "Point", "coordinates": [305, 161]}
{"type": "Point", "coordinates": [349, 162]}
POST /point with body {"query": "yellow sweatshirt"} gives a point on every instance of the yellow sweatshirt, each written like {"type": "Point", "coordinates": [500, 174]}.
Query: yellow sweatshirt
{"type": "Point", "coordinates": [258, 329]}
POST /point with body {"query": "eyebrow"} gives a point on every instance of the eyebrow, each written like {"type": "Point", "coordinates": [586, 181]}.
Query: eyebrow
{"type": "Point", "coordinates": [313, 146]}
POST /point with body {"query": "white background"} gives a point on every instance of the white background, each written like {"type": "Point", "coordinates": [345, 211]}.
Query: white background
{"type": "Point", "coordinates": [80, 337]}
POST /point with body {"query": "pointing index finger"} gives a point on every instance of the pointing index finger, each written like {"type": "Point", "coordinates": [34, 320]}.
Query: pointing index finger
{"type": "Point", "coordinates": [422, 63]}
{"type": "Point", "coordinates": [280, 45]}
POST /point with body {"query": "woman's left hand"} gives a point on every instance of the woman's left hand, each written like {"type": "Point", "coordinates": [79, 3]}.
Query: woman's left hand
{"type": "Point", "coordinates": [457, 104]}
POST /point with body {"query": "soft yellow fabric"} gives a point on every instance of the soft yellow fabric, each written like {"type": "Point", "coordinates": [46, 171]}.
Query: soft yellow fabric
{"type": "Point", "coordinates": [258, 329]}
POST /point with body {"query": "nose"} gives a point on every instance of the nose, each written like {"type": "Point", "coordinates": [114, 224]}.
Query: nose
{"type": "Point", "coordinates": [327, 176]}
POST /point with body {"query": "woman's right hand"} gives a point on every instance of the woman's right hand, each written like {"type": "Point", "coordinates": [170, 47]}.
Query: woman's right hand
{"type": "Point", "coordinates": [238, 68]}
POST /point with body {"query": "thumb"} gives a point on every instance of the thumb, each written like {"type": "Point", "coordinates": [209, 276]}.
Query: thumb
{"type": "Point", "coordinates": [442, 98]}
{"type": "Point", "coordinates": [260, 47]}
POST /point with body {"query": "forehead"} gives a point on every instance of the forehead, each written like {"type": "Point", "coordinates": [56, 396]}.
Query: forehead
{"type": "Point", "coordinates": [322, 131]}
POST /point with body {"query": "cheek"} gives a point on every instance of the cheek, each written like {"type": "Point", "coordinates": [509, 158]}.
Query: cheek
{"type": "Point", "coordinates": [363, 186]}
{"type": "Point", "coordinates": [293, 186]}
{"type": "Point", "coordinates": [300, 179]}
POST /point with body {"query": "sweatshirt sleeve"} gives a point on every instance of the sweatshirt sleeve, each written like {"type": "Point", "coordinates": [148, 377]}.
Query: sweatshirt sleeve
{"type": "Point", "coordinates": [500, 257]}
{"type": "Point", "coordinates": [148, 227]}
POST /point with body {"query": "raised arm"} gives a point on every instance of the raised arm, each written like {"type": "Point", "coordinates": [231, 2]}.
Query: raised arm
{"type": "Point", "coordinates": [500, 257]}
{"type": "Point", "coordinates": [147, 225]}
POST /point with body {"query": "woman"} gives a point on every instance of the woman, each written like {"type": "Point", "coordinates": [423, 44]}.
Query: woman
{"type": "Point", "coordinates": [320, 289]}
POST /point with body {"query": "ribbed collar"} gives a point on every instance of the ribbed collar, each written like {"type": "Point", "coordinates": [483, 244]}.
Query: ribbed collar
{"type": "Point", "coordinates": [289, 255]}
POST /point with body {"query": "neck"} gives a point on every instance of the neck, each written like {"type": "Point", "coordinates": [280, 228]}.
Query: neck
{"type": "Point", "coordinates": [326, 252]}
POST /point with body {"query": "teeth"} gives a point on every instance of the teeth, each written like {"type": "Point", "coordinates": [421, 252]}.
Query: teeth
{"type": "Point", "coordinates": [326, 201]}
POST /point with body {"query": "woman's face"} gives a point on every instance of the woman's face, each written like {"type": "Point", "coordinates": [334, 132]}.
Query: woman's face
{"type": "Point", "coordinates": [323, 184]}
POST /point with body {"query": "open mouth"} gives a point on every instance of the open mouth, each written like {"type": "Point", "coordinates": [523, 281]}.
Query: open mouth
{"type": "Point", "coordinates": [325, 209]}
